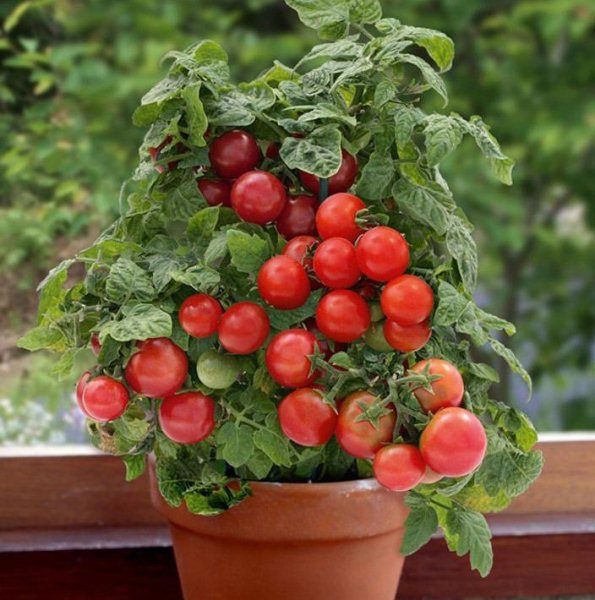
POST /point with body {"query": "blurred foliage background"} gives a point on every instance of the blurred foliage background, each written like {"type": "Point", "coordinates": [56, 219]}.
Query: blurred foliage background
{"type": "Point", "coordinates": [72, 72]}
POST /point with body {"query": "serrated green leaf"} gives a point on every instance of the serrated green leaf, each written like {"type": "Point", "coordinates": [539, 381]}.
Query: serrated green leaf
{"type": "Point", "coordinates": [236, 442]}
{"type": "Point", "coordinates": [461, 246]}
{"type": "Point", "coordinates": [319, 153]}
{"type": "Point", "coordinates": [135, 466]}
{"type": "Point", "coordinates": [230, 109]}
{"type": "Point", "coordinates": [141, 322]}
{"type": "Point", "coordinates": [377, 177]}
{"type": "Point", "coordinates": [260, 464]}
{"type": "Point", "coordinates": [284, 319]}
{"type": "Point", "coordinates": [443, 135]}
{"type": "Point", "coordinates": [258, 95]}
{"type": "Point", "coordinates": [202, 225]}
{"type": "Point", "coordinates": [421, 204]}
{"type": "Point", "coordinates": [274, 445]}
{"type": "Point", "coordinates": [196, 118]}
{"type": "Point", "coordinates": [406, 118]}
{"type": "Point", "coordinates": [127, 280]}
{"type": "Point", "coordinates": [248, 252]}
{"type": "Point", "coordinates": [420, 526]}
{"type": "Point", "coordinates": [217, 249]}
{"type": "Point", "coordinates": [365, 11]}
{"type": "Point", "coordinates": [330, 16]}
{"type": "Point", "coordinates": [513, 362]}
{"type": "Point", "coordinates": [42, 338]}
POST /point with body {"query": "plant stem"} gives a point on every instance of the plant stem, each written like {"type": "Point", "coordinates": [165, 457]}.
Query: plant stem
{"type": "Point", "coordinates": [361, 29]}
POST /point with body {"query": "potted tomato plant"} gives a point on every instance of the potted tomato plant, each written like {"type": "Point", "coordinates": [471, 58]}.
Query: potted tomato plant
{"type": "Point", "coordinates": [283, 315]}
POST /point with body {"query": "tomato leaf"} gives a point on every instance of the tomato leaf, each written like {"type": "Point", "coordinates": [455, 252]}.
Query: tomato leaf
{"type": "Point", "coordinates": [420, 526]}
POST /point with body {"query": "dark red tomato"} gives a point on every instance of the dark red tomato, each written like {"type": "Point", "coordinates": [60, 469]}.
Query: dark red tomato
{"type": "Point", "coordinates": [399, 467]}
{"type": "Point", "coordinates": [287, 358]}
{"type": "Point", "coordinates": [454, 443]}
{"type": "Point", "coordinates": [362, 439]}
{"type": "Point", "coordinates": [343, 316]}
{"type": "Point", "coordinates": [382, 254]}
{"type": "Point", "coordinates": [298, 249]}
{"type": "Point", "coordinates": [158, 369]}
{"type": "Point", "coordinates": [336, 217]}
{"type": "Point", "coordinates": [80, 388]}
{"type": "Point", "coordinates": [306, 418]}
{"type": "Point", "coordinates": [233, 154]}
{"type": "Point", "coordinates": [407, 338]}
{"type": "Point", "coordinates": [217, 192]}
{"type": "Point", "coordinates": [283, 283]}
{"type": "Point", "coordinates": [104, 399]}
{"type": "Point", "coordinates": [335, 264]}
{"type": "Point", "coordinates": [446, 391]}
{"type": "Point", "coordinates": [367, 291]}
{"type": "Point", "coordinates": [298, 217]}
{"type": "Point", "coordinates": [95, 344]}
{"type": "Point", "coordinates": [199, 315]}
{"type": "Point", "coordinates": [339, 182]}
{"type": "Point", "coordinates": [272, 151]}
{"type": "Point", "coordinates": [258, 197]}
{"type": "Point", "coordinates": [407, 299]}
{"type": "Point", "coordinates": [243, 328]}
{"type": "Point", "coordinates": [187, 418]}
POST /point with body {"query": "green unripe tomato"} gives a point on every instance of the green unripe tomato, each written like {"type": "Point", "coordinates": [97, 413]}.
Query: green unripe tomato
{"type": "Point", "coordinates": [217, 371]}
{"type": "Point", "coordinates": [376, 312]}
{"type": "Point", "coordinates": [374, 337]}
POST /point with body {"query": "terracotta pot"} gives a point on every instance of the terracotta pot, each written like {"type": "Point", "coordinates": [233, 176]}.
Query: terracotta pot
{"type": "Point", "coordinates": [323, 541]}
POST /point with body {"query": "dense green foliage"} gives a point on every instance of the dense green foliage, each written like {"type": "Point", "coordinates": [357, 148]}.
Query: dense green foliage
{"type": "Point", "coordinates": [523, 65]}
{"type": "Point", "coordinates": [363, 91]}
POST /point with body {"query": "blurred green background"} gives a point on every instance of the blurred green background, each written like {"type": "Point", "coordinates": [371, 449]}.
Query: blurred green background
{"type": "Point", "coordinates": [72, 72]}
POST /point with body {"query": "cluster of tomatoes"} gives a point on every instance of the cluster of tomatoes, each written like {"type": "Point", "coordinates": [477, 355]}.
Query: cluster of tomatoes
{"type": "Point", "coordinates": [366, 293]}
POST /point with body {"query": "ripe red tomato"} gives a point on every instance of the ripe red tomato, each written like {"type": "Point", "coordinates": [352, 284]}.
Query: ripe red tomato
{"type": "Point", "coordinates": [104, 399]}
{"type": "Point", "coordinates": [362, 439]}
{"type": "Point", "coordinates": [382, 254]}
{"type": "Point", "coordinates": [339, 182]}
{"type": "Point", "coordinates": [298, 248]}
{"type": "Point", "coordinates": [243, 328]}
{"type": "Point", "coordinates": [336, 217]}
{"type": "Point", "coordinates": [80, 388]}
{"type": "Point", "coordinates": [446, 391]}
{"type": "Point", "coordinates": [272, 151]}
{"type": "Point", "coordinates": [155, 154]}
{"type": "Point", "coordinates": [335, 264]}
{"type": "Point", "coordinates": [217, 192]}
{"type": "Point", "coordinates": [287, 358]}
{"type": "Point", "coordinates": [283, 283]}
{"type": "Point", "coordinates": [258, 197]}
{"type": "Point", "coordinates": [199, 315]}
{"type": "Point", "coordinates": [407, 338]}
{"type": "Point", "coordinates": [306, 418]}
{"type": "Point", "coordinates": [158, 369]}
{"type": "Point", "coordinates": [408, 300]}
{"type": "Point", "coordinates": [298, 217]}
{"type": "Point", "coordinates": [95, 344]}
{"type": "Point", "coordinates": [187, 418]}
{"type": "Point", "coordinates": [233, 154]}
{"type": "Point", "coordinates": [454, 443]}
{"type": "Point", "coordinates": [399, 467]}
{"type": "Point", "coordinates": [343, 316]}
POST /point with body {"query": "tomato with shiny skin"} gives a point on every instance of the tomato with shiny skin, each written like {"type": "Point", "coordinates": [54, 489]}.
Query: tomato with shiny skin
{"type": "Point", "coordinates": [399, 467]}
{"type": "Point", "coordinates": [454, 442]}
{"type": "Point", "coordinates": [339, 182]}
{"type": "Point", "coordinates": [105, 399]}
{"type": "Point", "coordinates": [336, 217]}
{"type": "Point", "coordinates": [362, 439]}
{"type": "Point", "coordinates": [199, 315]}
{"type": "Point", "coordinates": [158, 369]}
{"type": "Point", "coordinates": [217, 192]}
{"type": "Point", "coordinates": [298, 249]}
{"type": "Point", "coordinates": [382, 253]}
{"type": "Point", "coordinates": [187, 418]}
{"type": "Point", "coordinates": [258, 197]}
{"type": "Point", "coordinates": [407, 299]}
{"type": "Point", "coordinates": [298, 217]}
{"type": "Point", "coordinates": [335, 264]}
{"type": "Point", "coordinates": [243, 328]}
{"type": "Point", "coordinates": [283, 283]}
{"type": "Point", "coordinates": [287, 358]}
{"type": "Point", "coordinates": [342, 316]}
{"type": "Point", "coordinates": [446, 391]}
{"type": "Point", "coordinates": [80, 388]}
{"type": "Point", "coordinates": [407, 338]}
{"type": "Point", "coordinates": [233, 154]}
{"type": "Point", "coordinates": [306, 419]}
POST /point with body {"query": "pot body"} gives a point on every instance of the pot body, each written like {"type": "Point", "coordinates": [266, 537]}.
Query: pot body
{"type": "Point", "coordinates": [325, 541]}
